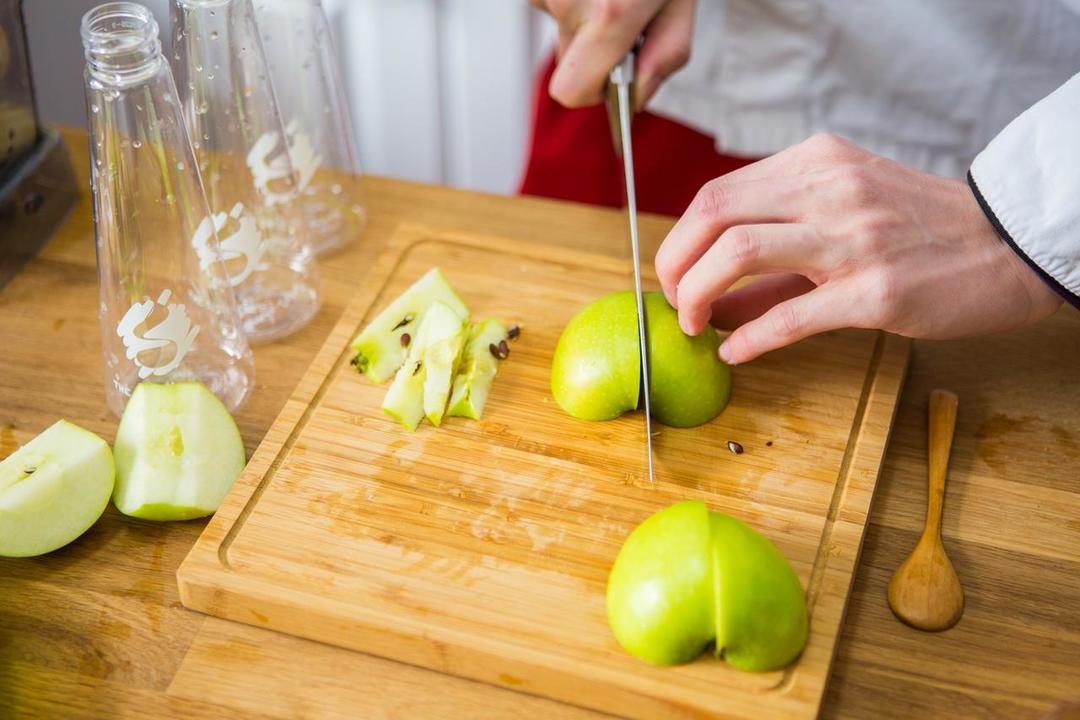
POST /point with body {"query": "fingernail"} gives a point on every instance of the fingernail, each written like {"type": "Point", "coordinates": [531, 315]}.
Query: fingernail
{"type": "Point", "coordinates": [725, 353]}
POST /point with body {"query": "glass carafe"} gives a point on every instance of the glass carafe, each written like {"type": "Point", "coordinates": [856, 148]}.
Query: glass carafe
{"type": "Point", "coordinates": [304, 70]}
{"type": "Point", "coordinates": [243, 155]}
{"type": "Point", "coordinates": [166, 308]}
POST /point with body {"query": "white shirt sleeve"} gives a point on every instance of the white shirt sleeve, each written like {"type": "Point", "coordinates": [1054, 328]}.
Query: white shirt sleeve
{"type": "Point", "coordinates": [1027, 180]}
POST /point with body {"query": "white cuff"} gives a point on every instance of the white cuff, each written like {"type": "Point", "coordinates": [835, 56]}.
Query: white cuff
{"type": "Point", "coordinates": [1027, 180]}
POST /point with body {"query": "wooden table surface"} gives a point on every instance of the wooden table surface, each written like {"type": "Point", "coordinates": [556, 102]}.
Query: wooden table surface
{"type": "Point", "coordinates": [96, 629]}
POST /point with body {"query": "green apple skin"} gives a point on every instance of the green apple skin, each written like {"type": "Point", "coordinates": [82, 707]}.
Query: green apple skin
{"type": "Point", "coordinates": [690, 384]}
{"type": "Point", "coordinates": [596, 371]}
{"type": "Point", "coordinates": [659, 594]}
{"type": "Point", "coordinates": [761, 619]}
{"type": "Point", "coordinates": [687, 577]}
{"type": "Point", "coordinates": [66, 492]}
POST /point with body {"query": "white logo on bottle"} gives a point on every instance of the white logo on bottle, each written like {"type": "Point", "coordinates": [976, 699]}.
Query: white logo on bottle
{"type": "Point", "coordinates": [270, 163]}
{"type": "Point", "coordinates": [176, 330]}
{"type": "Point", "coordinates": [304, 158]}
{"type": "Point", "coordinates": [246, 242]}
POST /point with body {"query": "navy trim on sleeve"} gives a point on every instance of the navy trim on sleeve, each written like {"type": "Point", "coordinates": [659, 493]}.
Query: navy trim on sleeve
{"type": "Point", "coordinates": [1060, 289]}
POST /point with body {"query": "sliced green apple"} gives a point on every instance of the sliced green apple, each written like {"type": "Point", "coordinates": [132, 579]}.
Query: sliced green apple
{"type": "Point", "coordinates": [178, 452]}
{"type": "Point", "coordinates": [53, 489]}
{"type": "Point", "coordinates": [404, 400]}
{"type": "Point", "coordinates": [441, 361]}
{"type": "Point", "coordinates": [476, 371]}
{"type": "Point", "coordinates": [379, 350]}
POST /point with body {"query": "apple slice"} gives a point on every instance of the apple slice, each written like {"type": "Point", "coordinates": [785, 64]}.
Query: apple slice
{"type": "Point", "coordinates": [404, 400]}
{"type": "Point", "coordinates": [379, 351]}
{"type": "Point", "coordinates": [178, 452]}
{"type": "Point", "coordinates": [477, 370]}
{"type": "Point", "coordinates": [53, 489]}
{"type": "Point", "coordinates": [441, 362]}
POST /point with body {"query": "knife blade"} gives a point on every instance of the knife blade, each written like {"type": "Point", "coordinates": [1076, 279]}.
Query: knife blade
{"type": "Point", "coordinates": [622, 82]}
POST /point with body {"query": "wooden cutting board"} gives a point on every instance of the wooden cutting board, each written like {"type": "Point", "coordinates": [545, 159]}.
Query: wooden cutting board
{"type": "Point", "coordinates": [482, 549]}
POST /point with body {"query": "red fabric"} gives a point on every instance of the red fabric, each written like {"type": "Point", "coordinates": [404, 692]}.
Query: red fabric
{"type": "Point", "coordinates": [571, 157]}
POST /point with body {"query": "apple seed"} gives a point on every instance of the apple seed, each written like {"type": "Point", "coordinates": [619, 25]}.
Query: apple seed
{"type": "Point", "coordinates": [406, 338]}
{"type": "Point", "coordinates": [404, 321]}
{"type": "Point", "coordinates": [514, 332]}
{"type": "Point", "coordinates": [734, 447]}
{"type": "Point", "coordinates": [504, 350]}
{"type": "Point", "coordinates": [29, 470]}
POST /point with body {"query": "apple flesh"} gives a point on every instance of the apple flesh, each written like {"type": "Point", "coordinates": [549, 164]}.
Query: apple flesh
{"type": "Point", "coordinates": [477, 370]}
{"type": "Point", "coordinates": [440, 365]}
{"type": "Point", "coordinates": [404, 400]}
{"type": "Point", "coordinates": [379, 352]}
{"type": "Point", "coordinates": [596, 371]}
{"type": "Point", "coordinates": [53, 489]}
{"type": "Point", "coordinates": [687, 578]}
{"type": "Point", "coordinates": [178, 452]}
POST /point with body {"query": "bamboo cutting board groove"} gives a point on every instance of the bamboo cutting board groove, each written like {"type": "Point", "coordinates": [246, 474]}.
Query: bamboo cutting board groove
{"type": "Point", "coordinates": [482, 549]}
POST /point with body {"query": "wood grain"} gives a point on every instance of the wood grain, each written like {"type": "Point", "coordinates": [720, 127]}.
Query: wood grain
{"type": "Point", "coordinates": [482, 549]}
{"type": "Point", "coordinates": [96, 629]}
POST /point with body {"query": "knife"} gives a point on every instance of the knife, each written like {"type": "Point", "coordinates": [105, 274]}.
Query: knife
{"type": "Point", "coordinates": [620, 90]}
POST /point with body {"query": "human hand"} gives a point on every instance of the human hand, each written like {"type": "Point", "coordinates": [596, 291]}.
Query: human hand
{"type": "Point", "coordinates": [843, 238]}
{"type": "Point", "coordinates": [594, 35]}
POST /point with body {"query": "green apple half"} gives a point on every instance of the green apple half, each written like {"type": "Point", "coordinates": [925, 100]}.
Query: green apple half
{"type": "Point", "coordinates": [688, 577]}
{"type": "Point", "coordinates": [596, 371]}
{"type": "Point", "coordinates": [53, 489]}
{"type": "Point", "coordinates": [379, 352]}
{"type": "Point", "coordinates": [178, 452]}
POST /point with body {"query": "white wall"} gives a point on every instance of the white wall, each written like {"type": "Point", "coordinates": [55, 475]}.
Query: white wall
{"type": "Point", "coordinates": [440, 90]}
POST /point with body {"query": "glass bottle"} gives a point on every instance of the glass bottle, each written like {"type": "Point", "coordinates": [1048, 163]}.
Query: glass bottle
{"type": "Point", "coordinates": [242, 150]}
{"type": "Point", "coordinates": [304, 71]}
{"type": "Point", "coordinates": [166, 309]}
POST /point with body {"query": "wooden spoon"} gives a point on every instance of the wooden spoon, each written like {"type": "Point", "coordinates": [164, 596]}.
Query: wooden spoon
{"type": "Point", "coordinates": [925, 591]}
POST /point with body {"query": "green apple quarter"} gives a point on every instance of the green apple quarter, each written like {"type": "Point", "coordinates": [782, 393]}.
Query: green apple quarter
{"type": "Point", "coordinates": [53, 489]}
{"type": "Point", "coordinates": [596, 371]}
{"type": "Point", "coordinates": [688, 578]}
{"type": "Point", "coordinates": [178, 452]}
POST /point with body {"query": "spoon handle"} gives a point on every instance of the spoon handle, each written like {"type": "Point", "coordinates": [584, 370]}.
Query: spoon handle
{"type": "Point", "coordinates": [942, 424]}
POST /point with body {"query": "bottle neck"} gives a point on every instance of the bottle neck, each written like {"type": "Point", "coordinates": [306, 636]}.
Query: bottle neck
{"type": "Point", "coordinates": [121, 42]}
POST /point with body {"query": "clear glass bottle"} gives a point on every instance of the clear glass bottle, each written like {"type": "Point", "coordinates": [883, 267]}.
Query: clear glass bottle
{"type": "Point", "coordinates": [243, 154]}
{"type": "Point", "coordinates": [304, 70]}
{"type": "Point", "coordinates": [167, 311]}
